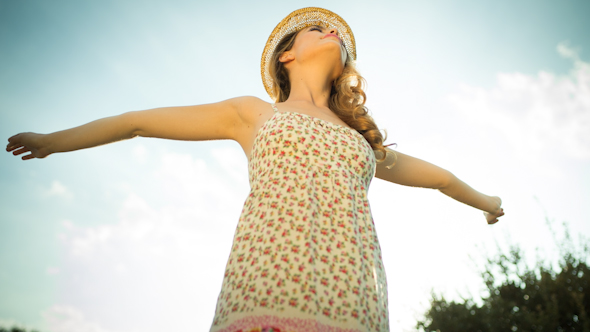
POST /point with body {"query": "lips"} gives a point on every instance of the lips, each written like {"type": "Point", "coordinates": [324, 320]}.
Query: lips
{"type": "Point", "coordinates": [333, 35]}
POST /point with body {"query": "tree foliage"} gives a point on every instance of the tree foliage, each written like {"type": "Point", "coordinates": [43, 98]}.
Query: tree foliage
{"type": "Point", "coordinates": [522, 298]}
{"type": "Point", "coordinates": [14, 329]}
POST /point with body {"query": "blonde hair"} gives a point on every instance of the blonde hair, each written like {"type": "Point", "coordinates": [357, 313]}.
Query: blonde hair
{"type": "Point", "coordinates": [347, 98]}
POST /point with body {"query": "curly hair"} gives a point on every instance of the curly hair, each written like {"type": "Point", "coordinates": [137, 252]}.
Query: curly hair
{"type": "Point", "coordinates": [347, 98]}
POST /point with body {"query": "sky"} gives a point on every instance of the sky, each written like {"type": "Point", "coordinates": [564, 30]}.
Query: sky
{"type": "Point", "coordinates": [135, 235]}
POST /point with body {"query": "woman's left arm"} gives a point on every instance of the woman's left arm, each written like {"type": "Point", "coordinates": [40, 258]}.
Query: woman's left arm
{"type": "Point", "coordinates": [414, 172]}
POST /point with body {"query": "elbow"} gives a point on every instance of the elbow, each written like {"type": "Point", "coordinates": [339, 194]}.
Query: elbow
{"type": "Point", "coordinates": [130, 124]}
{"type": "Point", "coordinates": [447, 179]}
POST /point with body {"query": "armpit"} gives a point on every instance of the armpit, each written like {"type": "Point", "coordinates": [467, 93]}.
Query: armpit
{"type": "Point", "coordinates": [390, 159]}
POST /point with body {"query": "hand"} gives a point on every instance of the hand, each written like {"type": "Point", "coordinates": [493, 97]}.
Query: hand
{"type": "Point", "coordinates": [28, 142]}
{"type": "Point", "coordinates": [492, 218]}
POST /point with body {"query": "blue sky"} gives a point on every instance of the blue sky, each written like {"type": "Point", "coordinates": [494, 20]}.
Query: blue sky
{"type": "Point", "coordinates": [135, 235]}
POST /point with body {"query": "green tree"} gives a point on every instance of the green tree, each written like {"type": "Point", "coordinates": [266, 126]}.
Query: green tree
{"type": "Point", "coordinates": [522, 298]}
{"type": "Point", "coordinates": [14, 329]}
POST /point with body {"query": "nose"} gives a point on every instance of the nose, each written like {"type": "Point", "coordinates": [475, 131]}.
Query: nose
{"type": "Point", "coordinates": [335, 31]}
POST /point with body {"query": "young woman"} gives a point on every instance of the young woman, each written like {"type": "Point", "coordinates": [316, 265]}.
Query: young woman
{"type": "Point", "coordinates": [305, 255]}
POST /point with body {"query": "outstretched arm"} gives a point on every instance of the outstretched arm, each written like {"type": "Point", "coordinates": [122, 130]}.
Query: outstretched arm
{"type": "Point", "coordinates": [410, 171]}
{"type": "Point", "coordinates": [222, 120]}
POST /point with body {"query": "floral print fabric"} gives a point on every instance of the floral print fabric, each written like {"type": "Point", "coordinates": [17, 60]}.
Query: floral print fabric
{"type": "Point", "coordinates": [305, 255]}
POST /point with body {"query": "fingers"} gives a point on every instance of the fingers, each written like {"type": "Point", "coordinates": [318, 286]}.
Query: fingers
{"type": "Point", "coordinates": [22, 143]}
{"type": "Point", "coordinates": [495, 218]}
{"type": "Point", "coordinates": [11, 138]}
{"type": "Point", "coordinates": [21, 150]}
{"type": "Point", "coordinates": [491, 220]}
{"type": "Point", "coordinates": [27, 157]}
{"type": "Point", "coordinates": [12, 144]}
{"type": "Point", "coordinates": [10, 148]}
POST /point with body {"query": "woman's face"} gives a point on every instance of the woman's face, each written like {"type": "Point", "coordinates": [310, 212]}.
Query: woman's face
{"type": "Point", "coordinates": [320, 42]}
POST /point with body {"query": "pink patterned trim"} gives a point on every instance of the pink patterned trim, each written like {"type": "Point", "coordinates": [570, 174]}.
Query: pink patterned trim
{"type": "Point", "coordinates": [283, 324]}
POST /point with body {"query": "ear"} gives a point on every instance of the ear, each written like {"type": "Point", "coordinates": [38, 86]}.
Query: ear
{"type": "Point", "coordinates": [286, 57]}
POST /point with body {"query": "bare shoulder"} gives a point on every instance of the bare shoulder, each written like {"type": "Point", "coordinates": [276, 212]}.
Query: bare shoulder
{"type": "Point", "coordinates": [252, 113]}
{"type": "Point", "coordinates": [249, 108]}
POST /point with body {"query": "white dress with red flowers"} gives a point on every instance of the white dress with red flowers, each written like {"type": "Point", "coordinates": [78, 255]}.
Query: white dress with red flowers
{"type": "Point", "coordinates": [305, 255]}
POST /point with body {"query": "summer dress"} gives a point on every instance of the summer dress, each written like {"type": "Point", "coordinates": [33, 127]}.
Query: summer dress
{"type": "Point", "coordinates": [305, 255]}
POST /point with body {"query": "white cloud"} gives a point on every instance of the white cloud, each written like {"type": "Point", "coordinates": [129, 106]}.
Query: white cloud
{"type": "Point", "coordinates": [52, 270]}
{"type": "Point", "coordinates": [8, 323]}
{"type": "Point", "coordinates": [68, 319]}
{"type": "Point", "coordinates": [160, 265]}
{"type": "Point", "coordinates": [541, 113]}
{"type": "Point", "coordinates": [58, 189]}
{"type": "Point", "coordinates": [141, 153]}
{"type": "Point", "coordinates": [233, 162]}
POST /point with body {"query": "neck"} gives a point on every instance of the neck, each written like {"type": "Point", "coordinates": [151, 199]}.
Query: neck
{"type": "Point", "coordinates": [310, 85]}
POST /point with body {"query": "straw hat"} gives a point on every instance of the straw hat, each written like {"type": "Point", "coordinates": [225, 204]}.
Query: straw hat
{"type": "Point", "coordinates": [296, 21]}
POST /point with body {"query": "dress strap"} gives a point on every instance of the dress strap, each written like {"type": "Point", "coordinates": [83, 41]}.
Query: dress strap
{"type": "Point", "coordinates": [274, 107]}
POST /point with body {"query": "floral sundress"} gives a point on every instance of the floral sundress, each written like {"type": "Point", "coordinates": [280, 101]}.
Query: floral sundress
{"type": "Point", "coordinates": [305, 255]}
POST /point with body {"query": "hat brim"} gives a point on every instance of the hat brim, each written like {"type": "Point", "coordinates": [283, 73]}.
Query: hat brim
{"type": "Point", "coordinates": [296, 21]}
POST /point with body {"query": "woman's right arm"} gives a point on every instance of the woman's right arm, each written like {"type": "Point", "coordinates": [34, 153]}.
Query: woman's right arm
{"type": "Point", "coordinates": [223, 120]}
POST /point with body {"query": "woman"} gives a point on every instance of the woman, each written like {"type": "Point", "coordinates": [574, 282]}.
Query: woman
{"type": "Point", "coordinates": [305, 255]}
